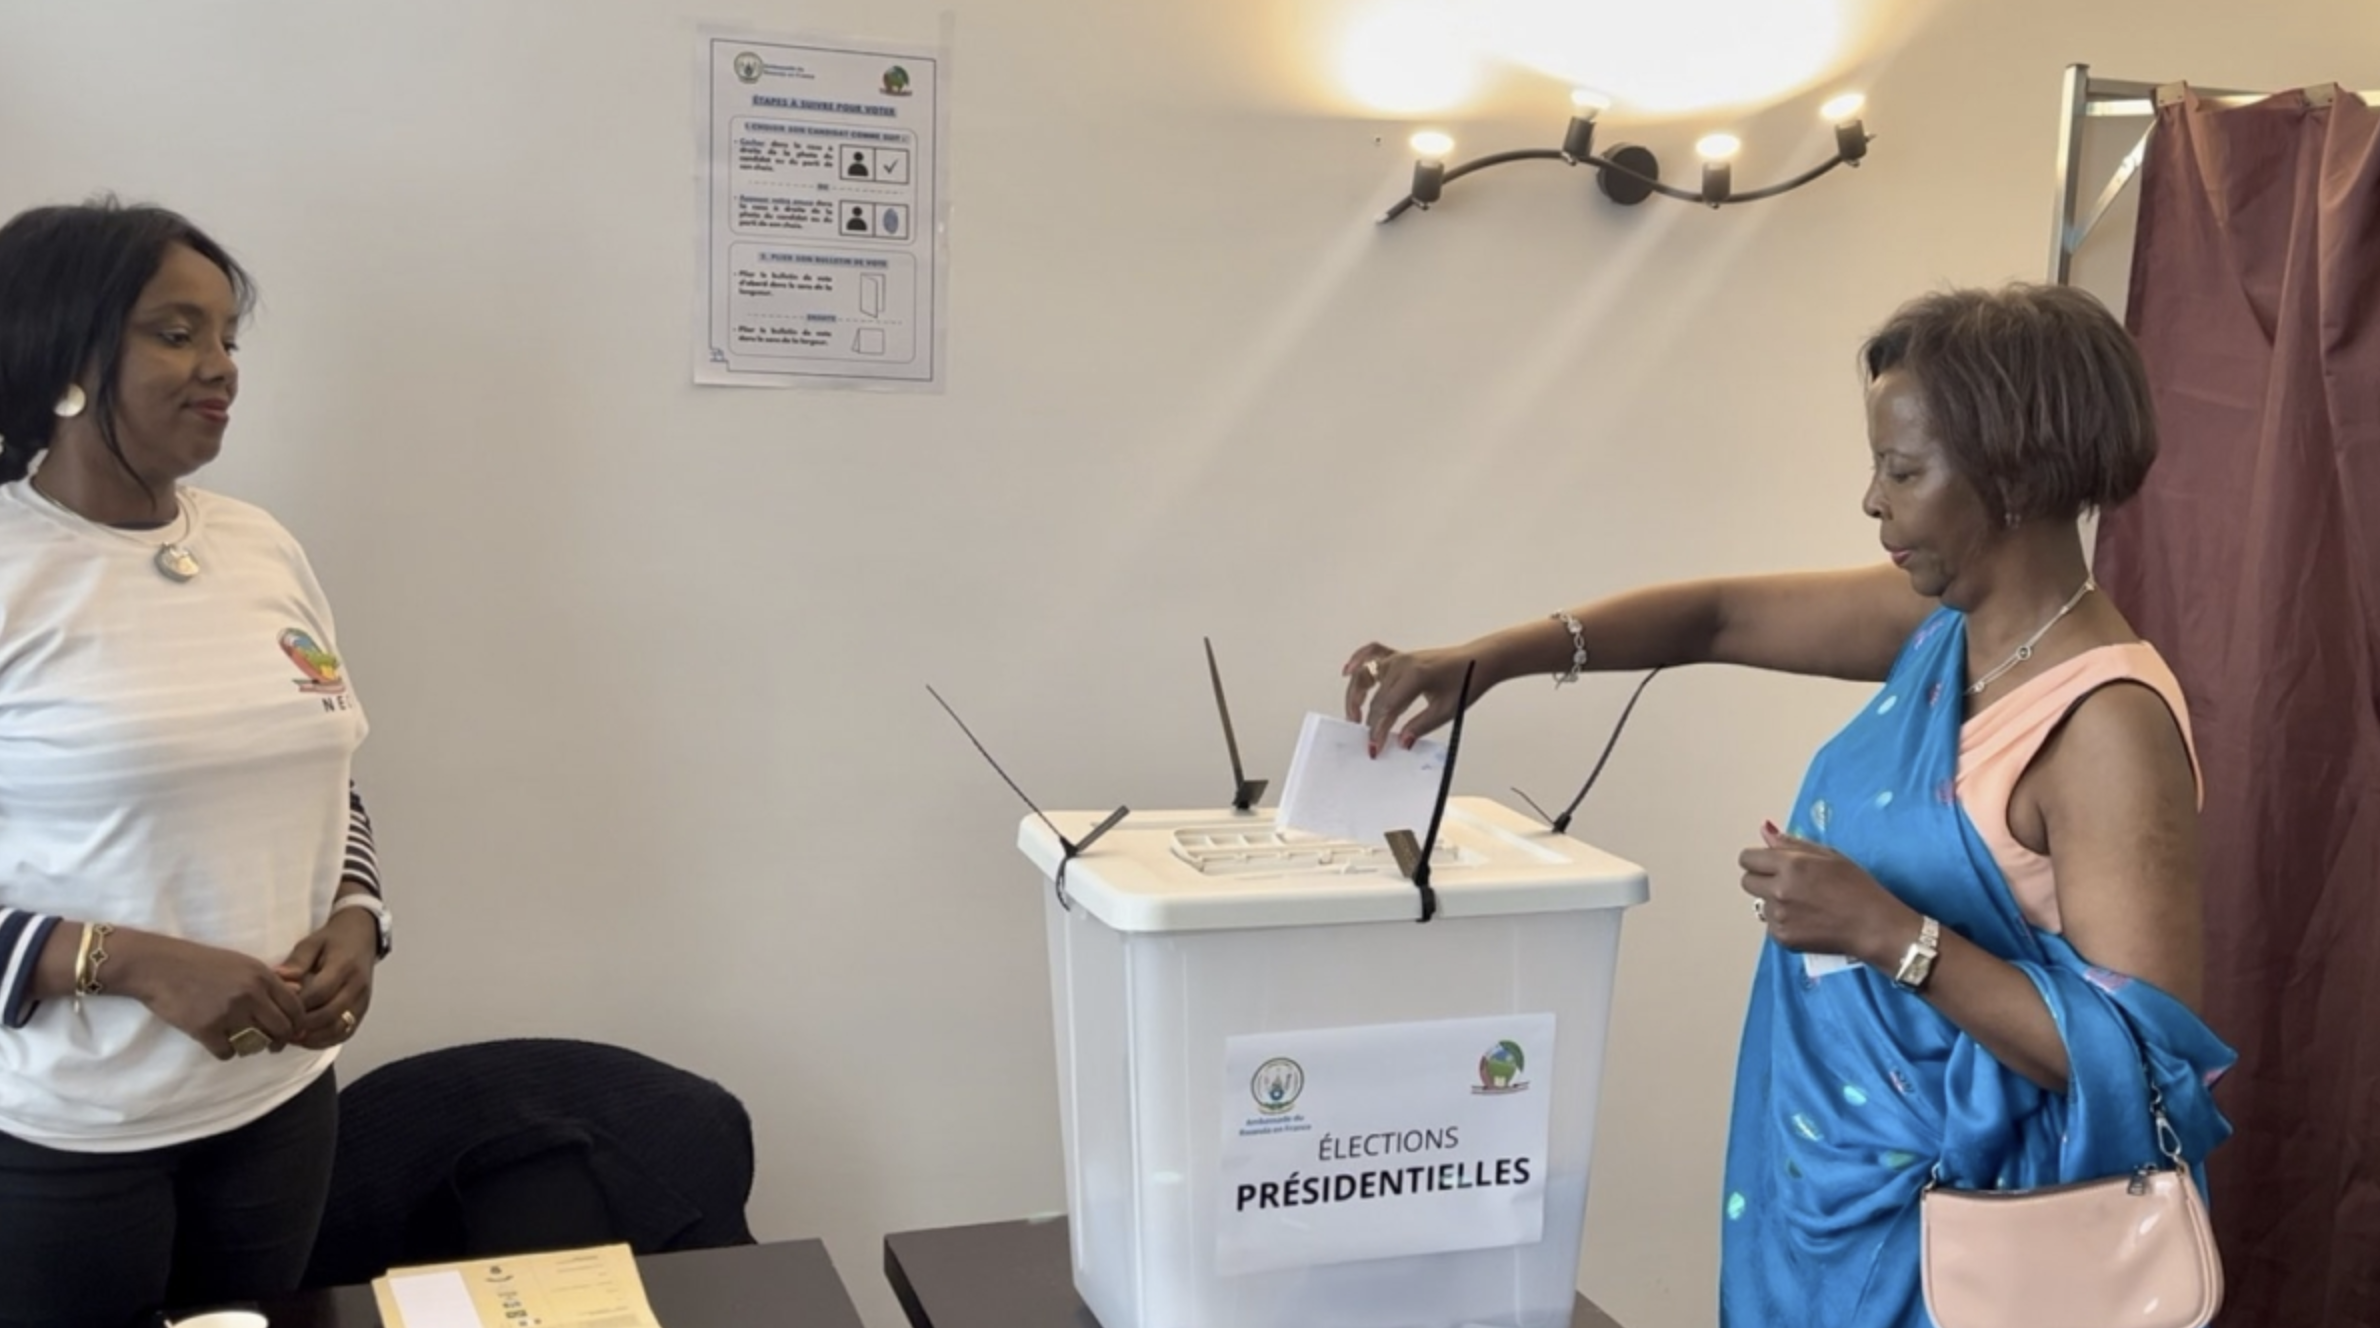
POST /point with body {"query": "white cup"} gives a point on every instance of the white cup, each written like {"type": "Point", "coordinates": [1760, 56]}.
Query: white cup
{"type": "Point", "coordinates": [222, 1319]}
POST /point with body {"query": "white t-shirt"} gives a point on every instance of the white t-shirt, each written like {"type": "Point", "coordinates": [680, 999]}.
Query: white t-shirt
{"type": "Point", "coordinates": [174, 757]}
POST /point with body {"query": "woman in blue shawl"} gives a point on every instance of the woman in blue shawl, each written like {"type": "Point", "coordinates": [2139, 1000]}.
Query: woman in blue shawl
{"type": "Point", "coordinates": [1983, 913]}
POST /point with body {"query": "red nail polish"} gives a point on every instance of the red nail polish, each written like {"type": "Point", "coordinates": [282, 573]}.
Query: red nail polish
{"type": "Point", "coordinates": [1372, 749]}
{"type": "Point", "coordinates": [1771, 827]}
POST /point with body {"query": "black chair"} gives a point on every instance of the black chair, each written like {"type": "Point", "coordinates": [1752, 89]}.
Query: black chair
{"type": "Point", "coordinates": [530, 1144]}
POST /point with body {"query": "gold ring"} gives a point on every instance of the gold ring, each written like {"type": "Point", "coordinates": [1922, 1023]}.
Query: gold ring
{"type": "Point", "coordinates": [347, 1023]}
{"type": "Point", "coordinates": [249, 1041]}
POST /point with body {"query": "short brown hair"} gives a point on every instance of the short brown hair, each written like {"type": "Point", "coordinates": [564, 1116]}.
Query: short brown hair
{"type": "Point", "coordinates": [2037, 392]}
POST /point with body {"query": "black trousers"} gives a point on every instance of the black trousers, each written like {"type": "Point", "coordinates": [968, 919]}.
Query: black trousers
{"type": "Point", "coordinates": [105, 1240]}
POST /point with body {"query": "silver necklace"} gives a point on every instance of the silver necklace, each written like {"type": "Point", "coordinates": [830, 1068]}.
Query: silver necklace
{"type": "Point", "coordinates": [2025, 651]}
{"type": "Point", "coordinates": [173, 560]}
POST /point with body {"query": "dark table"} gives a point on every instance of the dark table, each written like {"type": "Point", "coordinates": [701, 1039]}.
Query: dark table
{"type": "Point", "coordinates": [784, 1284]}
{"type": "Point", "coordinates": [1012, 1275]}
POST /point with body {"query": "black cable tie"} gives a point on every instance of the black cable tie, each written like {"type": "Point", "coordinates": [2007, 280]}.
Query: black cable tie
{"type": "Point", "coordinates": [1412, 859]}
{"type": "Point", "coordinates": [1069, 849]}
{"type": "Point", "coordinates": [1244, 791]}
{"type": "Point", "coordinates": [1561, 824]}
{"type": "Point", "coordinates": [1414, 867]}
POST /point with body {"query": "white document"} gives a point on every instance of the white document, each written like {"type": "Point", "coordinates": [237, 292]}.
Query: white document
{"type": "Point", "coordinates": [821, 193]}
{"type": "Point", "coordinates": [1384, 1141]}
{"type": "Point", "coordinates": [1338, 790]}
{"type": "Point", "coordinates": [434, 1300]}
{"type": "Point", "coordinates": [1819, 965]}
{"type": "Point", "coordinates": [584, 1288]}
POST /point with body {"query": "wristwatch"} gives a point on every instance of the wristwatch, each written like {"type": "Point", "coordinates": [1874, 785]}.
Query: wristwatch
{"type": "Point", "coordinates": [381, 925]}
{"type": "Point", "coordinates": [1917, 964]}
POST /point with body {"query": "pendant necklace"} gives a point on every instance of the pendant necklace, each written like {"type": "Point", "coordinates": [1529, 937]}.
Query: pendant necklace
{"type": "Point", "coordinates": [174, 561]}
{"type": "Point", "coordinates": [2023, 652]}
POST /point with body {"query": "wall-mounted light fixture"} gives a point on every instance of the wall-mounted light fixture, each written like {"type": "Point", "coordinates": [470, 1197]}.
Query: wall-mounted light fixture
{"type": "Point", "coordinates": [1629, 174]}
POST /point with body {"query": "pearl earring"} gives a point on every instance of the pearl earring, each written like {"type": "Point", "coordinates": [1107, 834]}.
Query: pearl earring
{"type": "Point", "coordinates": [71, 402]}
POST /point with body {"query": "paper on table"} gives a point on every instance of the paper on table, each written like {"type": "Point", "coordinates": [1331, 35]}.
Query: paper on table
{"type": "Point", "coordinates": [434, 1300]}
{"type": "Point", "coordinates": [1336, 789]}
{"type": "Point", "coordinates": [586, 1288]}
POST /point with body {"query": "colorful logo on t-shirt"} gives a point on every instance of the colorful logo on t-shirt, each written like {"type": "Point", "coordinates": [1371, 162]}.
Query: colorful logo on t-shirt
{"type": "Point", "coordinates": [320, 666]}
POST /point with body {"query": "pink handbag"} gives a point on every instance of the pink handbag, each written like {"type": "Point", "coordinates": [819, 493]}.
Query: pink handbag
{"type": "Point", "coordinates": [2131, 1251]}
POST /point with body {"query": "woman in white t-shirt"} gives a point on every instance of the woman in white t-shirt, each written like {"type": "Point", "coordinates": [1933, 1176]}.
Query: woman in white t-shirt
{"type": "Point", "coordinates": [189, 910]}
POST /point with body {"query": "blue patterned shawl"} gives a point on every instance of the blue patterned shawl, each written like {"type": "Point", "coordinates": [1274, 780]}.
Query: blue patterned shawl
{"type": "Point", "coordinates": [1849, 1091]}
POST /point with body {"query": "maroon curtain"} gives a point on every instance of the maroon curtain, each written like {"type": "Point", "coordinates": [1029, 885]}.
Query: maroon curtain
{"type": "Point", "coordinates": [2252, 561]}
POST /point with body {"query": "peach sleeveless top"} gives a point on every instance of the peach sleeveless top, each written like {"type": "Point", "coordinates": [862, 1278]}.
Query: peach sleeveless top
{"type": "Point", "coordinates": [1998, 744]}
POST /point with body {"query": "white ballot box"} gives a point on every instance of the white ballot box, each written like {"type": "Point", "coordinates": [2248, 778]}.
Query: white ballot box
{"type": "Point", "coordinates": [1287, 1103]}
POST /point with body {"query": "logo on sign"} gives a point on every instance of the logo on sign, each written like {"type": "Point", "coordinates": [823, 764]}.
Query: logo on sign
{"type": "Point", "coordinates": [1500, 1069]}
{"type": "Point", "coordinates": [1277, 1084]}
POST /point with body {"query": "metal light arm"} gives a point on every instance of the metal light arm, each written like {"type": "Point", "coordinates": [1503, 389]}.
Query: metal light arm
{"type": "Point", "coordinates": [1630, 173]}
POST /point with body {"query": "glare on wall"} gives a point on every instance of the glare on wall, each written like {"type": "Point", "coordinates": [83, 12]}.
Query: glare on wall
{"type": "Point", "coordinates": [1411, 57]}
{"type": "Point", "coordinates": [1653, 57]}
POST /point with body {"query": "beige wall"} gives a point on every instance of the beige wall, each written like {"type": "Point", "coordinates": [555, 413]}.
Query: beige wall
{"type": "Point", "coordinates": [653, 757]}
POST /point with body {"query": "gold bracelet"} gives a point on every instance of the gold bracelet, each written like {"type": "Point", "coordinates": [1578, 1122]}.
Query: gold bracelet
{"type": "Point", "coordinates": [82, 966]}
{"type": "Point", "coordinates": [89, 957]}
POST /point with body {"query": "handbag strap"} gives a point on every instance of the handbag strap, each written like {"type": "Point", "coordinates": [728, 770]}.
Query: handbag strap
{"type": "Point", "coordinates": [2169, 1139]}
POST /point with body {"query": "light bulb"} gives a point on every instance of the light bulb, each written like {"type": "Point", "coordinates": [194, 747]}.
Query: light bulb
{"type": "Point", "coordinates": [1588, 103]}
{"type": "Point", "coordinates": [1718, 147]}
{"type": "Point", "coordinates": [1843, 109]}
{"type": "Point", "coordinates": [1431, 145]}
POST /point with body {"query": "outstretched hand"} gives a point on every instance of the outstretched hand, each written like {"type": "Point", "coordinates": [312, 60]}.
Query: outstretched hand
{"type": "Point", "coordinates": [1396, 680]}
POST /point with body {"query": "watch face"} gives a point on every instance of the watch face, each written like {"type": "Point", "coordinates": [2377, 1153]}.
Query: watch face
{"type": "Point", "coordinates": [1917, 963]}
{"type": "Point", "coordinates": [1916, 967]}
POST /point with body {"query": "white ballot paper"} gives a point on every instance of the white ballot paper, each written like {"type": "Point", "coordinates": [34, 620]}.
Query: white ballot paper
{"type": "Point", "coordinates": [1336, 789]}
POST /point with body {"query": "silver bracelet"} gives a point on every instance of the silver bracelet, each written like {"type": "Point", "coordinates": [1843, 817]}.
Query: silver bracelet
{"type": "Point", "coordinates": [1578, 647]}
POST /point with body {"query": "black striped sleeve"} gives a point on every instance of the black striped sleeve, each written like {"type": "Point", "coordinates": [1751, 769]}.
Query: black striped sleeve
{"type": "Point", "coordinates": [22, 934]}
{"type": "Point", "coordinates": [362, 863]}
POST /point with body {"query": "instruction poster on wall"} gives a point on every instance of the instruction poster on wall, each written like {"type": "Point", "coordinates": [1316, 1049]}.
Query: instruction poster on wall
{"type": "Point", "coordinates": [823, 178]}
{"type": "Point", "coordinates": [1384, 1141]}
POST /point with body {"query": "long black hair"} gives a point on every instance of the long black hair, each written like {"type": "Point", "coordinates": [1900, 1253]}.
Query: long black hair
{"type": "Point", "coordinates": [69, 277]}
